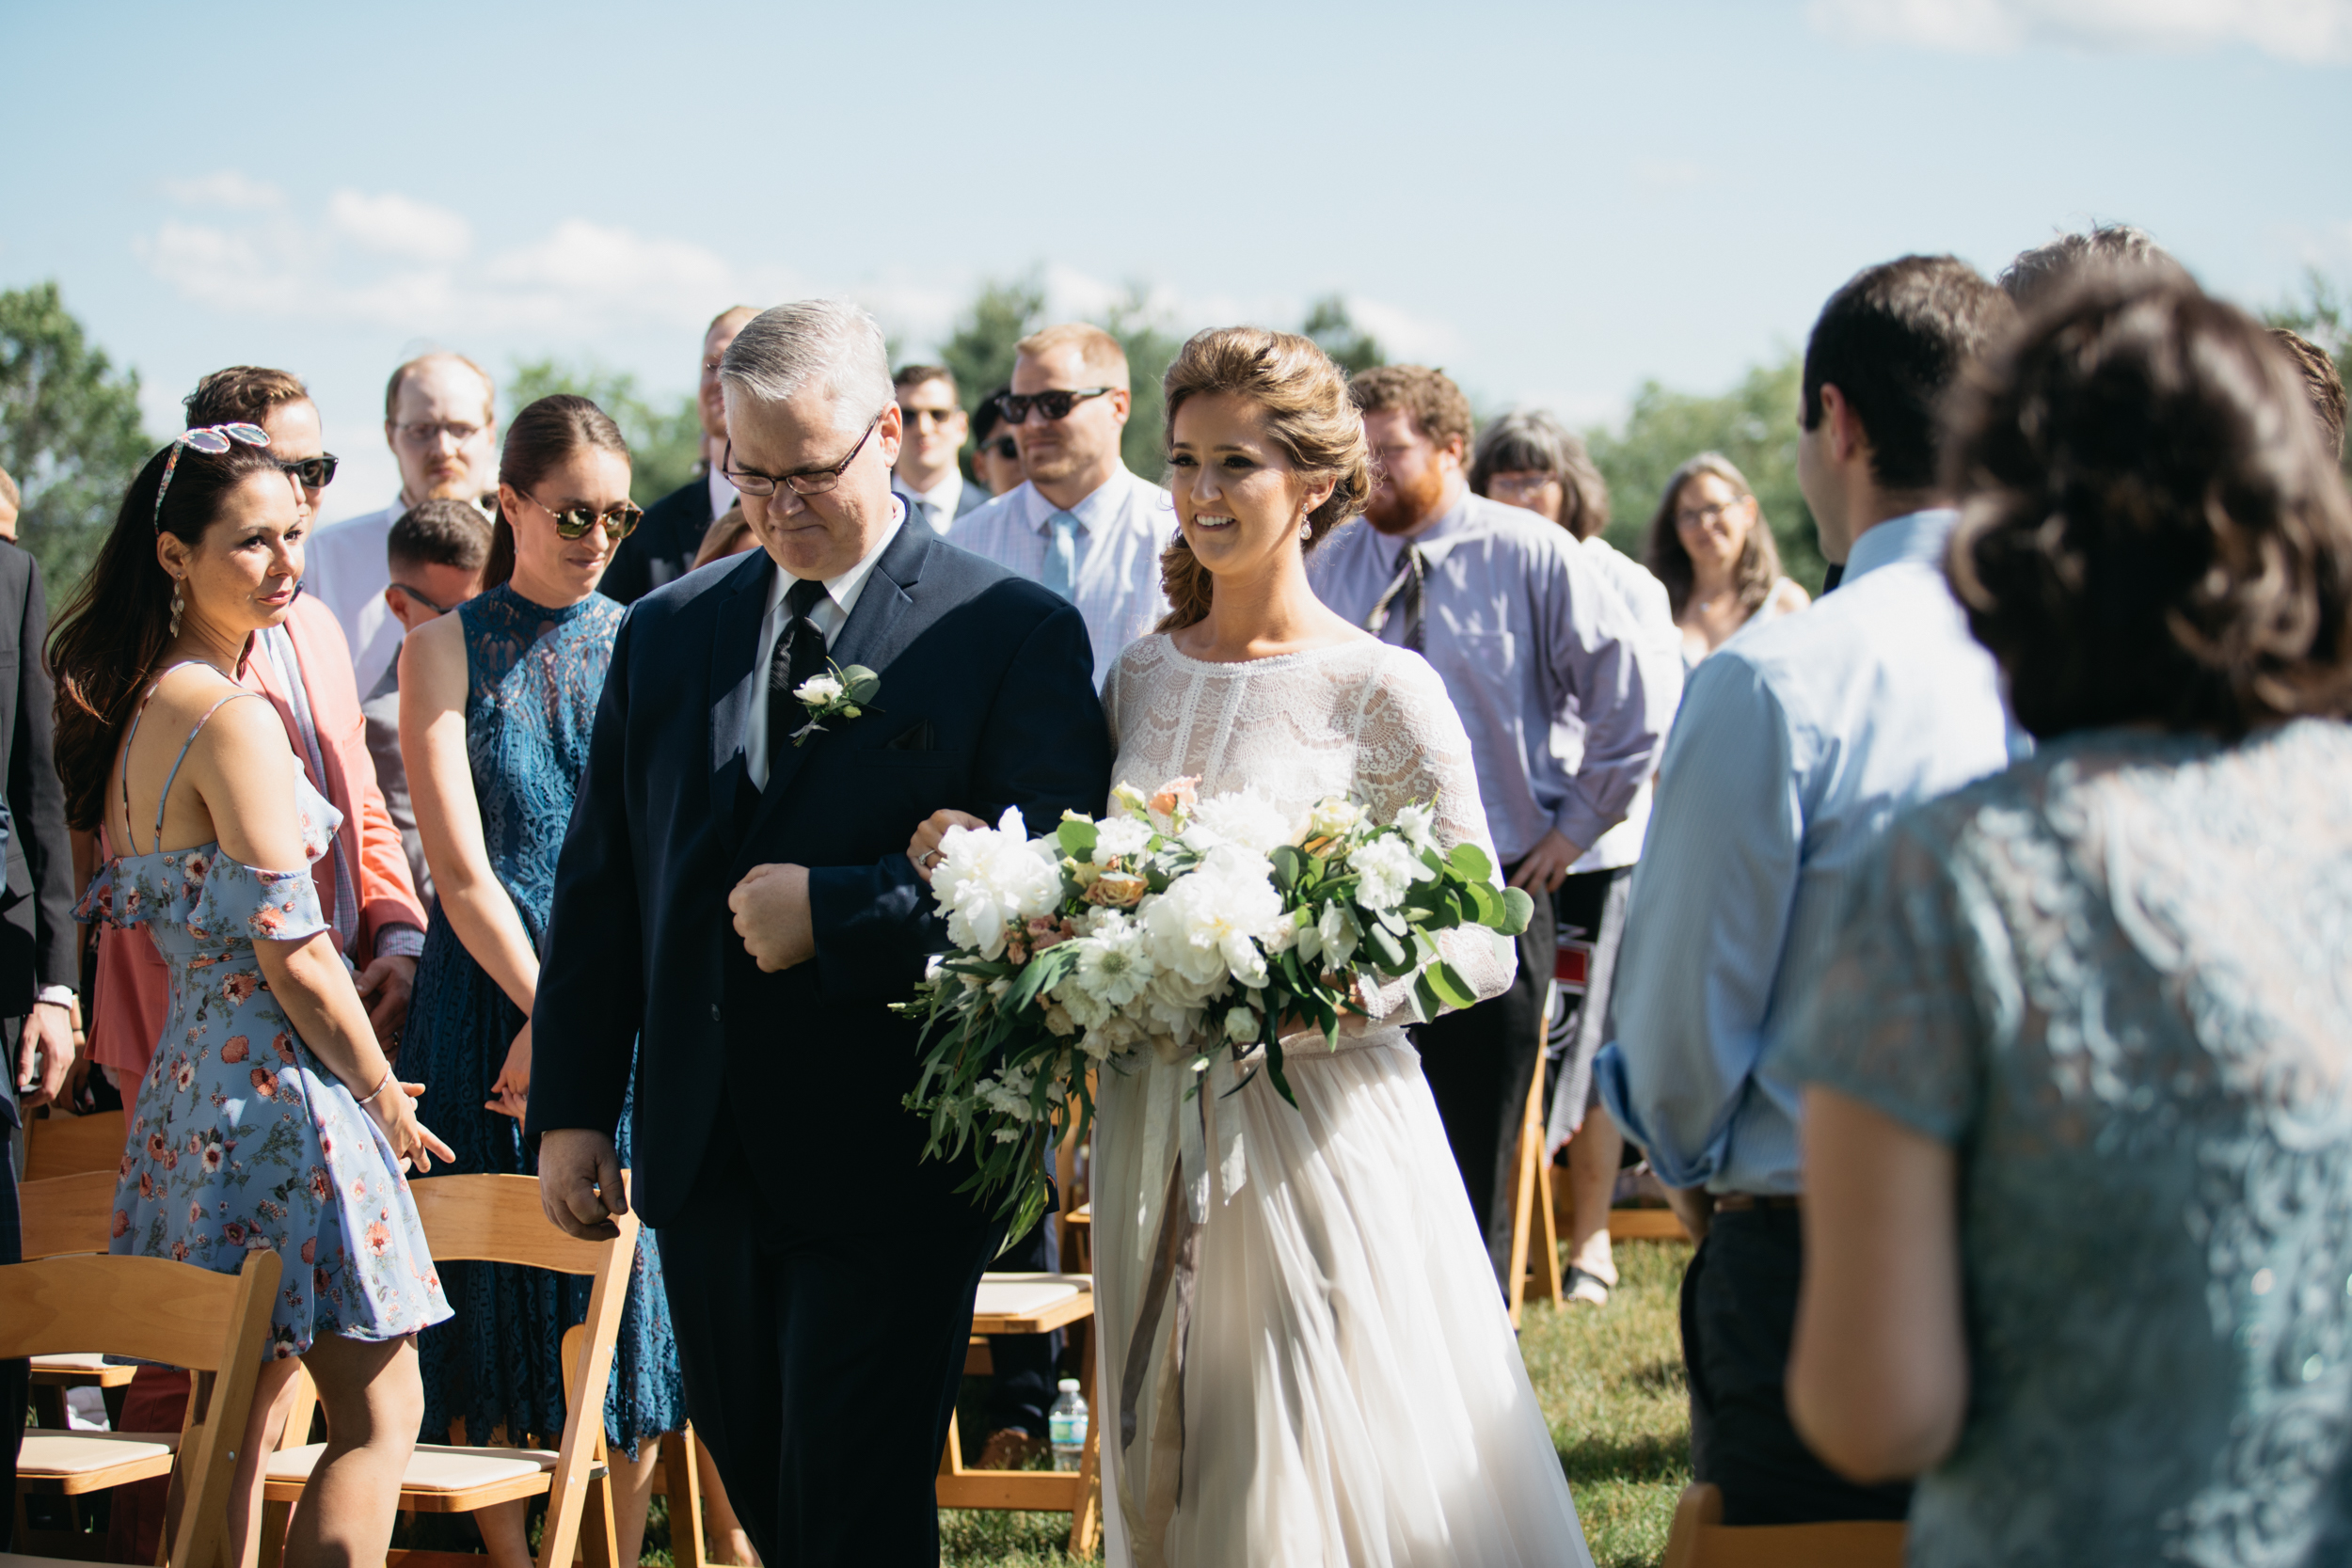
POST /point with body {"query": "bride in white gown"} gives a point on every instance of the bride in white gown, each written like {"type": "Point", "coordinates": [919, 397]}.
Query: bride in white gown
{"type": "Point", "coordinates": [1326, 1374]}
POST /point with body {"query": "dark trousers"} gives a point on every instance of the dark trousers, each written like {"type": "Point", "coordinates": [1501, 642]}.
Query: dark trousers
{"type": "Point", "coordinates": [1022, 1389]}
{"type": "Point", "coordinates": [1479, 1063]}
{"type": "Point", "coordinates": [823, 1374]}
{"type": "Point", "coordinates": [1739, 1314]}
{"type": "Point", "coordinates": [15, 1376]}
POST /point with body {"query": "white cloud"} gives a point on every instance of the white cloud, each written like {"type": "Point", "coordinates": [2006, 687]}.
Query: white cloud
{"type": "Point", "coordinates": [588, 262]}
{"type": "Point", "coordinates": [2308, 31]}
{"type": "Point", "coordinates": [393, 225]}
{"type": "Point", "coordinates": [226, 189]}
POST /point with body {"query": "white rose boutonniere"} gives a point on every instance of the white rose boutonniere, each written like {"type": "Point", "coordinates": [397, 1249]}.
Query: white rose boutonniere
{"type": "Point", "coordinates": [839, 694]}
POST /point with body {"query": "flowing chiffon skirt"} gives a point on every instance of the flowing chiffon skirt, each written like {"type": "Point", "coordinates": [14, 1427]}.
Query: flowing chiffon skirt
{"type": "Point", "coordinates": [1351, 1390]}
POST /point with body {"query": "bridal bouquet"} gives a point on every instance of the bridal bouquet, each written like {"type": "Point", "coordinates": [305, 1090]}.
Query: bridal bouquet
{"type": "Point", "coordinates": [1183, 924]}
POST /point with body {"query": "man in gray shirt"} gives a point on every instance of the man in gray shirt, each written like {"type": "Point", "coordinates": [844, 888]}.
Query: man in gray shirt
{"type": "Point", "coordinates": [1533, 642]}
{"type": "Point", "coordinates": [436, 551]}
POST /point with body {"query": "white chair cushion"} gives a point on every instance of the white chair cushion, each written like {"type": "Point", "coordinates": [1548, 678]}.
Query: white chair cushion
{"type": "Point", "coordinates": [52, 1454]}
{"type": "Point", "coordinates": [433, 1468]}
{"type": "Point", "coordinates": [1016, 1295]}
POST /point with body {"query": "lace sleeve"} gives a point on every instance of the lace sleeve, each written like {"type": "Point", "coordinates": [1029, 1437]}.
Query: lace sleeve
{"type": "Point", "coordinates": [1896, 1020]}
{"type": "Point", "coordinates": [1411, 747]}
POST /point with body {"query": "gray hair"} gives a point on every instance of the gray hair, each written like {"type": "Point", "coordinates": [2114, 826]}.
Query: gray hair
{"type": "Point", "coordinates": [778, 351]}
{"type": "Point", "coordinates": [2037, 275]}
{"type": "Point", "coordinates": [1531, 441]}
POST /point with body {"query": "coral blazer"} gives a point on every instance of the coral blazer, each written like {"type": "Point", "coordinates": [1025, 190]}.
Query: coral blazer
{"type": "Point", "coordinates": [133, 987]}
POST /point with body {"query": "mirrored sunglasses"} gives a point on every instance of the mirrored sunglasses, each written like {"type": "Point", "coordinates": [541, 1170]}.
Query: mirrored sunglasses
{"type": "Point", "coordinates": [214, 439]}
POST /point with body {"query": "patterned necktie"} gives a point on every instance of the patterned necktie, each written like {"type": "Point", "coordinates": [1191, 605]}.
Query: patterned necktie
{"type": "Point", "coordinates": [1404, 596]}
{"type": "Point", "coordinates": [1061, 555]}
{"type": "Point", "coordinates": [799, 655]}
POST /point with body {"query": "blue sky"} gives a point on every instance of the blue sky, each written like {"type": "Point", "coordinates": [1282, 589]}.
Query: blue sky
{"type": "Point", "coordinates": [1555, 202]}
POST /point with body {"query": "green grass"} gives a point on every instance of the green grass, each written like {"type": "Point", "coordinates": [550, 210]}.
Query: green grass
{"type": "Point", "coordinates": [1611, 1384]}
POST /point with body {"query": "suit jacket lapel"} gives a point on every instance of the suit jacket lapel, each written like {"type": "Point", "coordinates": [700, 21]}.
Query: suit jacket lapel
{"type": "Point", "coordinates": [877, 630]}
{"type": "Point", "coordinates": [736, 676]}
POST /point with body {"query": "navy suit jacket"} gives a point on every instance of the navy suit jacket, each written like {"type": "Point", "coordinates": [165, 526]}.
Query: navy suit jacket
{"type": "Point", "coordinates": [987, 700]}
{"type": "Point", "coordinates": [662, 549]}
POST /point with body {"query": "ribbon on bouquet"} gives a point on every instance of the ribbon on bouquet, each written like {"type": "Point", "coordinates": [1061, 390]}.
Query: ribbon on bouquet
{"type": "Point", "coordinates": [1194, 1125]}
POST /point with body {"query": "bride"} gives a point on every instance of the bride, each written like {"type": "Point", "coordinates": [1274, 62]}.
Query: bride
{"type": "Point", "coordinates": [1303, 1356]}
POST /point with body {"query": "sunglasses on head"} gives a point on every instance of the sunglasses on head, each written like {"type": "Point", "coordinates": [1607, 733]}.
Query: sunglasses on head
{"type": "Point", "coordinates": [214, 439]}
{"type": "Point", "coordinates": [574, 521]}
{"type": "Point", "coordinates": [316, 473]}
{"type": "Point", "coordinates": [1055, 404]}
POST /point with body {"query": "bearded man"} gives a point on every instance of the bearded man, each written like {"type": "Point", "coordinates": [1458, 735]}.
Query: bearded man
{"type": "Point", "coordinates": [1566, 702]}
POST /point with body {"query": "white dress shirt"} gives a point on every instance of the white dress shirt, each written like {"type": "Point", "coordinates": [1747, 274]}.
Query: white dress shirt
{"type": "Point", "coordinates": [721, 495]}
{"type": "Point", "coordinates": [344, 569]}
{"type": "Point", "coordinates": [1122, 530]}
{"type": "Point", "coordinates": [939, 502]}
{"type": "Point", "coordinates": [1621, 845]}
{"type": "Point", "coordinates": [830, 614]}
{"type": "Point", "coordinates": [1798, 742]}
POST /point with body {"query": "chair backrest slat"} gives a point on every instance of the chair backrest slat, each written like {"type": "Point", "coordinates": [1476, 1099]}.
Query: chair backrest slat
{"type": "Point", "coordinates": [69, 1213]}
{"type": "Point", "coordinates": [149, 1308]}
{"type": "Point", "coordinates": [497, 1219]}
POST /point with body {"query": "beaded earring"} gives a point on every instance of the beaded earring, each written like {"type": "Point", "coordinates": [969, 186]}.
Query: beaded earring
{"type": "Point", "coordinates": [178, 605]}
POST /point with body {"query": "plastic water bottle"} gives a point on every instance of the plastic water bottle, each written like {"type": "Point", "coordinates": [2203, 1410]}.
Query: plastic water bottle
{"type": "Point", "coordinates": [1067, 1423]}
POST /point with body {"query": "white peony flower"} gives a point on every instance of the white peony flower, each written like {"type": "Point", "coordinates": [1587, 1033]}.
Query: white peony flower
{"type": "Point", "coordinates": [989, 878]}
{"type": "Point", "coordinates": [1117, 837]}
{"type": "Point", "coordinates": [1243, 817]}
{"type": "Point", "coordinates": [1208, 923]}
{"type": "Point", "coordinates": [818, 690]}
{"type": "Point", "coordinates": [1415, 822]}
{"type": "Point", "coordinates": [1389, 867]}
{"type": "Point", "coordinates": [1334, 816]}
{"type": "Point", "coordinates": [1114, 962]}
{"type": "Point", "coordinates": [1241, 1027]}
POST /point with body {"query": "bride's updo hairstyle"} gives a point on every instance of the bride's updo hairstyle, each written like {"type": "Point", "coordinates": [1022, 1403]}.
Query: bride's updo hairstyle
{"type": "Point", "coordinates": [1308, 416]}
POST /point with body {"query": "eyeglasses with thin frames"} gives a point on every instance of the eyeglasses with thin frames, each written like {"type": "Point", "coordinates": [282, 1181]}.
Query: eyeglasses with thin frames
{"type": "Point", "coordinates": [438, 610]}
{"type": "Point", "coordinates": [425, 432]}
{"type": "Point", "coordinates": [809, 482]}
{"type": "Point", "coordinates": [575, 521]}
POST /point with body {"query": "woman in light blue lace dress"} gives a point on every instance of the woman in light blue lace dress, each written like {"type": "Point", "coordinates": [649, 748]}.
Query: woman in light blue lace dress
{"type": "Point", "coordinates": [497, 701]}
{"type": "Point", "coordinates": [269, 1119]}
{"type": "Point", "coordinates": [2080, 1128]}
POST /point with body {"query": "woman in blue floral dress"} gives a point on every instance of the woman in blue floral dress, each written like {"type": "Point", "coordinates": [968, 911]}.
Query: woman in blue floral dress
{"type": "Point", "coordinates": [269, 1120]}
{"type": "Point", "coordinates": [497, 701]}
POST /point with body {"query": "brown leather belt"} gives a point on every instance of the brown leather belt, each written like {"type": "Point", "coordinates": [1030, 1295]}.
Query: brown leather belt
{"type": "Point", "coordinates": [1741, 1203]}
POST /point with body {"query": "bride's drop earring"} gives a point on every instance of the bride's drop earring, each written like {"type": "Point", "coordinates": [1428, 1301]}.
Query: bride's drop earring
{"type": "Point", "coordinates": [1306, 531]}
{"type": "Point", "coordinates": [178, 605]}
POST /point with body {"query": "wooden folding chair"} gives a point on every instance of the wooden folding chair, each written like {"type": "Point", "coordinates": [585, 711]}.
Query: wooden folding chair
{"type": "Point", "coordinates": [60, 1145]}
{"type": "Point", "coordinates": [1031, 1304]}
{"type": "Point", "coordinates": [1535, 1271]}
{"type": "Point", "coordinates": [1700, 1538]}
{"type": "Point", "coordinates": [215, 1324]}
{"type": "Point", "coordinates": [497, 1219]}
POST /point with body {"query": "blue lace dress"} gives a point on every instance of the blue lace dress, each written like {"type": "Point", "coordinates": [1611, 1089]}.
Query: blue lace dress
{"type": "Point", "coordinates": [533, 676]}
{"type": "Point", "coordinates": [241, 1140]}
{"type": "Point", "coordinates": [2117, 980]}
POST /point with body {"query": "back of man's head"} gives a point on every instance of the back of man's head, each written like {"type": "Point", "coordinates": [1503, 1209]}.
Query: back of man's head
{"type": "Point", "coordinates": [440, 532]}
{"type": "Point", "coordinates": [2322, 381]}
{"type": "Point", "coordinates": [2037, 275]}
{"type": "Point", "coordinates": [242, 394]}
{"type": "Point", "coordinates": [1891, 341]}
{"type": "Point", "coordinates": [1099, 356]}
{"type": "Point", "coordinates": [1435, 405]}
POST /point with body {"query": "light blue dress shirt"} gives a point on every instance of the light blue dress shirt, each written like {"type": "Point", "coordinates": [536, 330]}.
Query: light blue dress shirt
{"type": "Point", "coordinates": [1798, 741]}
{"type": "Point", "coordinates": [1565, 696]}
{"type": "Point", "coordinates": [1114, 560]}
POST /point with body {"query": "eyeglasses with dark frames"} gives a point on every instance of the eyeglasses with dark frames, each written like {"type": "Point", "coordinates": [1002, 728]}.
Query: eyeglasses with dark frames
{"type": "Point", "coordinates": [575, 521]}
{"type": "Point", "coordinates": [1055, 404]}
{"type": "Point", "coordinates": [316, 473]}
{"type": "Point", "coordinates": [808, 482]}
{"type": "Point", "coordinates": [438, 610]}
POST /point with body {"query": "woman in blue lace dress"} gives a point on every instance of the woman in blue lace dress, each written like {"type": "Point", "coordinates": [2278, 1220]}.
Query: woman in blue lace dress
{"type": "Point", "coordinates": [497, 701]}
{"type": "Point", "coordinates": [268, 1120]}
{"type": "Point", "coordinates": [2078, 1238]}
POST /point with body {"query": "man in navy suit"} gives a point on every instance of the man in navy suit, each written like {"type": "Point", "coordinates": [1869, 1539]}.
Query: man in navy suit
{"type": "Point", "coordinates": [734, 907]}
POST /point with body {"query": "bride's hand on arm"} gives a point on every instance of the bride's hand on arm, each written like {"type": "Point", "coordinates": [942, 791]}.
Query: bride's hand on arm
{"type": "Point", "coordinates": [923, 848]}
{"type": "Point", "coordinates": [433, 676]}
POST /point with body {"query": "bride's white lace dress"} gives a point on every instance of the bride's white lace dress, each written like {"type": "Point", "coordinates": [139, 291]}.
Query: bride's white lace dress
{"type": "Point", "coordinates": [1326, 1374]}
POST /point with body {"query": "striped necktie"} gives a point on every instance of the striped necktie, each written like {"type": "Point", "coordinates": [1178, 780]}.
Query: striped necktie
{"type": "Point", "coordinates": [1404, 595]}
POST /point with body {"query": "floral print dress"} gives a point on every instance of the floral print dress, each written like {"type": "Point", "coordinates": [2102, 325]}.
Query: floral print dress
{"type": "Point", "coordinates": [241, 1140]}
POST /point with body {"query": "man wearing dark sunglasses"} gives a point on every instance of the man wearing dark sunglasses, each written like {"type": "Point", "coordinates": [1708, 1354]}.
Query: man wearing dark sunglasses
{"type": "Point", "coordinates": [996, 456]}
{"type": "Point", "coordinates": [932, 410]}
{"type": "Point", "coordinates": [663, 545]}
{"type": "Point", "coordinates": [1081, 524]}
